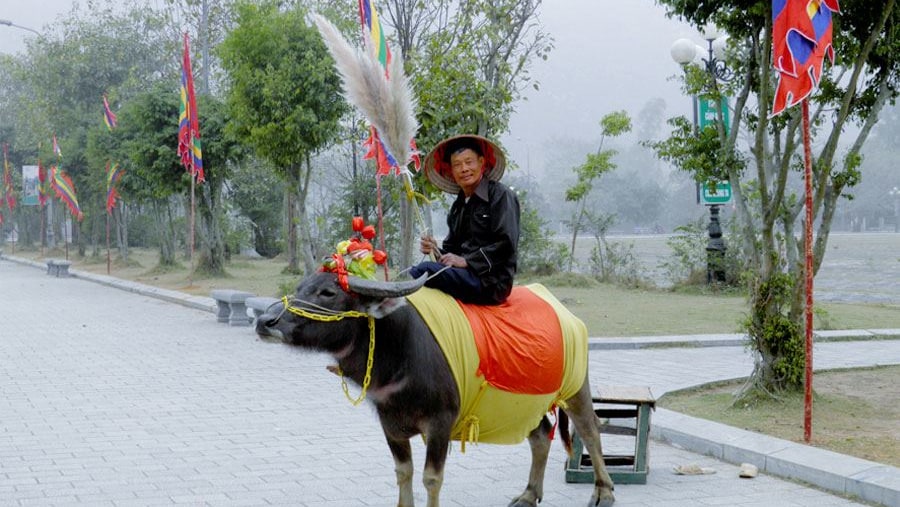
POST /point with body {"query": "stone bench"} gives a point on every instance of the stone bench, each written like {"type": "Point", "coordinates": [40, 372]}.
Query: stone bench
{"type": "Point", "coordinates": [628, 412]}
{"type": "Point", "coordinates": [58, 268]}
{"type": "Point", "coordinates": [258, 305]}
{"type": "Point", "coordinates": [231, 307]}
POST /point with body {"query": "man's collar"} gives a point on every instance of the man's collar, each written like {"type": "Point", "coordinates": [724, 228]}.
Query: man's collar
{"type": "Point", "coordinates": [482, 189]}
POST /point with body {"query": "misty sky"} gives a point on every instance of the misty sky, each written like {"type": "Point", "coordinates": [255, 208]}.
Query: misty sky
{"type": "Point", "coordinates": [608, 55]}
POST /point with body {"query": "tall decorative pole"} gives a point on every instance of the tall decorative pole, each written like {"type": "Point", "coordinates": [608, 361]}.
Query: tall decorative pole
{"type": "Point", "coordinates": [801, 38]}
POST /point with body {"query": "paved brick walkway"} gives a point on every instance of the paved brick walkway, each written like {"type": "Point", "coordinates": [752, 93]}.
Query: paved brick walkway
{"type": "Point", "coordinates": [113, 398]}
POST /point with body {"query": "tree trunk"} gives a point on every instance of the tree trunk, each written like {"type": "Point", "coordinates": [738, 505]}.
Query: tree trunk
{"type": "Point", "coordinates": [97, 228]}
{"type": "Point", "coordinates": [121, 215]}
{"type": "Point", "coordinates": [307, 246]}
{"type": "Point", "coordinates": [576, 226]}
{"type": "Point", "coordinates": [290, 225]}
{"type": "Point", "coordinates": [166, 232]}
{"type": "Point", "coordinates": [212, 241]}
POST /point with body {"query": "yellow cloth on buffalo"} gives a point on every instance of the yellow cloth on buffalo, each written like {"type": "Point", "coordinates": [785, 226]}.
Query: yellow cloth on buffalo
{"type": "Point", "coordinates": [488, 414]}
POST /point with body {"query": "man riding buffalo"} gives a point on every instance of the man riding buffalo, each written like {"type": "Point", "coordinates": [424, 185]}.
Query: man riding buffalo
{"type": "Point", "coordinates": [476, 262]}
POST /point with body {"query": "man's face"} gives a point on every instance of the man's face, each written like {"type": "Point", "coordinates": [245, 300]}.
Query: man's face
{"type": "Point", "coordinates": [466, 166]}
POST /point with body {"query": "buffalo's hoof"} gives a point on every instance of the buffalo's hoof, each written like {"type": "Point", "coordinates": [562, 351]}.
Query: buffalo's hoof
{"type": "Point", "coordinates": [519, 502]}
{"type": "Point", "coordinates": [604, 499]}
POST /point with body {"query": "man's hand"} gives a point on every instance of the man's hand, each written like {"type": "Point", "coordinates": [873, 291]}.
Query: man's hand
{"type": "Point", "coordinates": [428, 244]}
{"type": "Point", "coordinates": [453, 260]}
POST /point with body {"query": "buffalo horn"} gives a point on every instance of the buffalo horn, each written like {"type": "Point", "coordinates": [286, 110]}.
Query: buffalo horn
{"type": "Point", "coordinates": [375, 288]}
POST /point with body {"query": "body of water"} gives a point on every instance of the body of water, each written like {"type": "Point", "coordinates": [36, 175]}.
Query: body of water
{"type": "Point", "coordinates": [858, 267]}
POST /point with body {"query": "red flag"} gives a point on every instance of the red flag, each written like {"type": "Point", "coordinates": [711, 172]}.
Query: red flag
{"type": "Point", "coordinates": [113, 175]}
{"type": "Point", "coordinates": [43, 189]}
{"type": "Point", "coordinates": [188, 124]}
{"type": "Point", "coordinates": [9, 193]}
{"type": "Point", "coordinates": [801, 38]}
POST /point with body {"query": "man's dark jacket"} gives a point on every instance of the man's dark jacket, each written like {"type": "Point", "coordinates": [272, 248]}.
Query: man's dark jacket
{"type": "Point", "coordinates": [485, 232]}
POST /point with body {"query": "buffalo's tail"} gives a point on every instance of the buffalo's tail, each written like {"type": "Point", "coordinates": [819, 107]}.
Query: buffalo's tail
{"type": "Point", "coordinates": [563, 420]}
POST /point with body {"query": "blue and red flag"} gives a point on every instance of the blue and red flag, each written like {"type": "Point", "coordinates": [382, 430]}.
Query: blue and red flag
{"type": "Point", "coordinates": [65, 190]}
{"type": "Point", "coordinates": [109, 118]}
{"type": "Point", "coordinates": [801, 38]}
{"type": "Point", "coordinates": [188, 123]}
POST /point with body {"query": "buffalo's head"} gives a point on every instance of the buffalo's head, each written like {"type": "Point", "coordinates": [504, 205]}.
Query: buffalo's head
{"type": "Point", "coordinates": [321, 295]}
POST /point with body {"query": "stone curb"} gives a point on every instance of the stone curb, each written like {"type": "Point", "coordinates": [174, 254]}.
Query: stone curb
{"type": "Point", "coordinates": [867, 480]}
{"type": "Point", "coordinates": [729, 340]}
{"type": "Point", "coordinates": [205, 304]}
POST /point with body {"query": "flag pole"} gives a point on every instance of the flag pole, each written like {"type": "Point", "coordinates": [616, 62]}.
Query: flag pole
{"type": "Point", "coordinates": [808, 232]}
{"type": "Point", "coordinates": [43, 233]}
{"type": "Point", "coordinates": [191, 275]}
{"type": "Point", "coordinates": [107, 244]}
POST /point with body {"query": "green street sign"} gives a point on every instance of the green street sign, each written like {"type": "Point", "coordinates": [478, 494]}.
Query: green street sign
{"type": "Point", "coordinates": [717, 193]}
{"type": "Point", "coordinates": [709, 112]}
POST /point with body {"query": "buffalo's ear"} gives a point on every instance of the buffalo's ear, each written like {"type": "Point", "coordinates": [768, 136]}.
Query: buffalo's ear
{"type": "Point", "coordinates": [382, 307]}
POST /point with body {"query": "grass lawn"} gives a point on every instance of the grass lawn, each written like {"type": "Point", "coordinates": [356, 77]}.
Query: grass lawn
{"type": "Point", "coordinates": [607, 310]}
{"type": "Point", "coordinates": [855, 412]}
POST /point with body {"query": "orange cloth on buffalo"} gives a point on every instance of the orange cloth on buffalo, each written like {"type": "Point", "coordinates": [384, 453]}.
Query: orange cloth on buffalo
{"type": "Point", "coordinates": [519, 342]}
{"type": "Point", "coordinates": [488, 414]}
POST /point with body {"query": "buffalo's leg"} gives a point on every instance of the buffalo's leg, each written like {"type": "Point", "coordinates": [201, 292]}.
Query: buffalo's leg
{"type": "Point", "coordinates": [437, 435]}
{"type": "Point", "coordinates": [403, 467]}
{"type": "Point", "coordinates": [581, 411]}
{"type": "Point", "coordinates": [539, 440]}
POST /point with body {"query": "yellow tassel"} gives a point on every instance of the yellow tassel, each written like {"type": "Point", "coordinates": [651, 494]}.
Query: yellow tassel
{"type": "Point", "coordinates": [470, 430]}
{"type": "Point", "coordinates": [559, 403]}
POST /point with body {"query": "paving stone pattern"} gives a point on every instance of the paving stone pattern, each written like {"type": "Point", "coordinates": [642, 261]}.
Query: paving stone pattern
{"type": "Point", "coordinates": [110, 398]}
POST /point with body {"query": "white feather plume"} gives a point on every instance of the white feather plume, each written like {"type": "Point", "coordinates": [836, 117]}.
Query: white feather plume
{"type": "Point", "coordinates": [388, 104]}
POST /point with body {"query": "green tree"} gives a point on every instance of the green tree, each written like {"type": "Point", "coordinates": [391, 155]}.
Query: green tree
{"type": "Point", "coordinates": [852, 93]}
{"type": "Point", "coordinates": [285, 102]}
{"type": "Point", "coordinates": [250, 190]}
{"type": "Point", "coordinates": [88, 53]}
{"type": "Point", "coordinates": [144, 144]}
{"type": "Point", "coordinates": [611, 125]}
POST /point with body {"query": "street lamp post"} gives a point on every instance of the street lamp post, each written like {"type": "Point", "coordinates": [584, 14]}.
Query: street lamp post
{"type": "Point", "coordinates": [684, 52]}
{"type": "Point", "coordinates": [10, 23]}
{"type": "Point", "coordinates": [895, 193]}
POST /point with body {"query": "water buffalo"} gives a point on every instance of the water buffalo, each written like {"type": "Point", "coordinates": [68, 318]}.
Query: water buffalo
{"type": "Point", "coordinates": [409, 380]}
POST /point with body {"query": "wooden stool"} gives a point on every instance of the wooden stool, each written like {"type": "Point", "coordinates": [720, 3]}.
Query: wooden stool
{"type": "Point", "coordinates": [617, 402]}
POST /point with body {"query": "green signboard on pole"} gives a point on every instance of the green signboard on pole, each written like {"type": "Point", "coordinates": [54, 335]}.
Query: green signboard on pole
{"type": "Point", "coordinates": [718, 192]}
{"type": "Point", "coordinates": [709, 112]}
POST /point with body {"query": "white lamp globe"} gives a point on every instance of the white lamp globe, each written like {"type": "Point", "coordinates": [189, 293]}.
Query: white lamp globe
{"type": "Point", "coordinates": [683, 51]}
